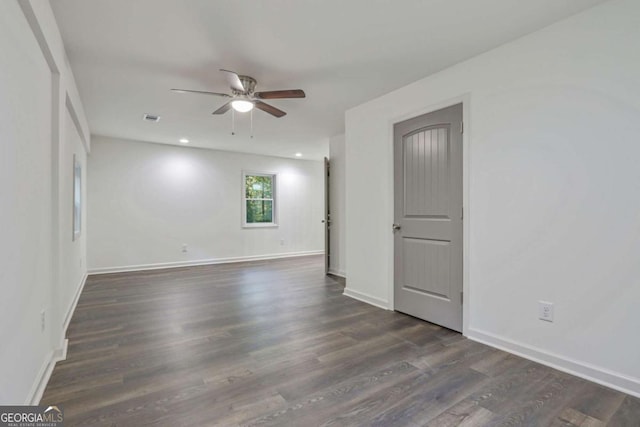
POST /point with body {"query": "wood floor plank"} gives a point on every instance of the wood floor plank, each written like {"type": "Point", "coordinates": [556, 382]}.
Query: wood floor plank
{"type": "Point", "coordinates": [436, 394]}
{"type": "Point", "coordinates": [628, 413]}
{"type": "Point", "coordinates": [544, 403]}
{"type": "Point", "coordinates": [597, 401]}
{"type": "Point", "coordinates": [465, 414]}
{"type": "Point", "coordinates": [337, 398]}
{"type": "Point", "coordinates": [277, 343]}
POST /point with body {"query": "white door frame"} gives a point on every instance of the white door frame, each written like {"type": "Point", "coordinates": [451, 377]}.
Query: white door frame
{"type": "Point", "coordinates": [465, 100]}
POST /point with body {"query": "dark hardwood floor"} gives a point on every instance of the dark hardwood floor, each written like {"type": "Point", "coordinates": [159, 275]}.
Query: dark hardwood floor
{"type": "Point", "coordinates": [276, 343]}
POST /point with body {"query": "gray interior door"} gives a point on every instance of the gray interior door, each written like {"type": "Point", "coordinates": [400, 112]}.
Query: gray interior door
{"type": "Point", "coordinates": [428, 217]}
{"type": "Point", "coordinates": [327, 217]}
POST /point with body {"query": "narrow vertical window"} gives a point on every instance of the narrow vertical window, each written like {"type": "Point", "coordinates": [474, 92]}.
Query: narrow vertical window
{"type": "Point", "coordinates": [259, 204]}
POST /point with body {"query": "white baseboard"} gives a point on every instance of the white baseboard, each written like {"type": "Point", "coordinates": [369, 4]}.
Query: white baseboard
{"type": "Point", "coordinates": [580, 369]}
{"type": "Point", "coordinates": [360, 296]}
{"type": "Point", "coordinates": [338, 273]}
{"type": "Point", "coordinates": [73, 305]}
{"type": "Point", "coordinates": [158, 266]}
{"type": "Point", "coordinates": [42, 379]}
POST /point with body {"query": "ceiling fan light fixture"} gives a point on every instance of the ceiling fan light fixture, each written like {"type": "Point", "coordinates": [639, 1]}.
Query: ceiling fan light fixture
{"type": "Point", "coordinates": [243, 98]}
{"type": "Point", "coordinates": [242, 105]}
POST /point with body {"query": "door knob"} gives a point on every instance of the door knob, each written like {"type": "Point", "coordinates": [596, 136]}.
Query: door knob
{"type": "Point", "coordinates": [396, 227]}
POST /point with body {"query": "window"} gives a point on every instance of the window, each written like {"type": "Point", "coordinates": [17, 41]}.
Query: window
{"type": "Point", "coordinates": [259, 204]}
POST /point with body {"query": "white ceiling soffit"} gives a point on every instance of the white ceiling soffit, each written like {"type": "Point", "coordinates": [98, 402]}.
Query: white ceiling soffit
{"type": "Point", "coordinates": [127, 54]}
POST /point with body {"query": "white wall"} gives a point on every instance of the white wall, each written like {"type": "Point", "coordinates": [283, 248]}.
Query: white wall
{"type": "Point", "coordinates": [147, 200]}
{"type": "Point", "coordinates": [337, 202]}
{"type": "Point", "coordinates": [73, 252]}
{"type": "Point", "coordinates": [35, 86]}
{"type": "Point", "coordinates": [553, 193]}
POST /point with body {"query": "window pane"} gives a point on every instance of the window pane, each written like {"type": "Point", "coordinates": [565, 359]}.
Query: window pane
{"type": "Point", "coordinates": [258, 187]}
{"type": "Point", "coordinates": [259, 211]}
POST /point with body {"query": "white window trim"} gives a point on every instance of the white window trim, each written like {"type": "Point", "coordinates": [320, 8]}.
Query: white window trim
{"type": "Point", "coordinates": [274, 178]}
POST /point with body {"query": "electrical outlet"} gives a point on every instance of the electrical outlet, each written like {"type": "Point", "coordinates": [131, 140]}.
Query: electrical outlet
{"type": "Point", "coordinates": [545, 311]}
{"type": "Point", "coordinates": [184, 247]}
{"type": "Point", "coordinates": [43, 324]}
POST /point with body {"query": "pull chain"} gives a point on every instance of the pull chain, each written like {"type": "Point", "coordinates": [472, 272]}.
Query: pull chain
{"type": "Point", "coordinates": [233, 122]}
{"type": "Point", "coordinates": [251, 124]}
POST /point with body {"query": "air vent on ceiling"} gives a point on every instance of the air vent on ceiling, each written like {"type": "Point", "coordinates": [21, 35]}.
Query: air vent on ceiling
{"type": "Point", "coordinates": [151, 118]}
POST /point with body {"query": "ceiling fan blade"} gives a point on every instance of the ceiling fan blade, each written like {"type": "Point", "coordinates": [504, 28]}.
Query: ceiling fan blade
{"type": "Point", "coordinates": [280, 94]}
{"type": "Point", "coordinates": [269, 109]}
{"type": "Point", "coordinates": [234, 80]}
{"type": "Point", "coordinates": [202, 92]}
{"type": "Point", "coordinates": [226, 107]}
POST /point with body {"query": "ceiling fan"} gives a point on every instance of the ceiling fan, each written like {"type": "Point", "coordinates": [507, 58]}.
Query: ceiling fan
{"type": "Point", "coordinates": [243, 97]}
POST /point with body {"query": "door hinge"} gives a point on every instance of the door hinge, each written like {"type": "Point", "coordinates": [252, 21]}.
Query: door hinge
{"type": "Point", "coordinates": [462, 212]}
{"type": "Point", "coordinates": [461, 127]}
{"type": "Point", "coordinates": [461, 297]}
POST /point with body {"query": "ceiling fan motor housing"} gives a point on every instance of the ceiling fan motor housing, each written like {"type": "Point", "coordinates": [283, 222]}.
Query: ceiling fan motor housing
{"type": "Point", "coordinates": [249, 84]}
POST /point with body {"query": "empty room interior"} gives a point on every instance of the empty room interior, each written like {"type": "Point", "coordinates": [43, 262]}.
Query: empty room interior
{"type": "Point", "coordinates": [305, 213]}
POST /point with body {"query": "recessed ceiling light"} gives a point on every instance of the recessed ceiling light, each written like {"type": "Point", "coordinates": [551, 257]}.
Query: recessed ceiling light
{"type": "Point", "coordinates": [298, 154]}
{"type": "Point", "coordinates": [184, 140]}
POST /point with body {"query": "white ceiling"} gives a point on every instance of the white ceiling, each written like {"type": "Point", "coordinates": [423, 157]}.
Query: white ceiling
{"type": "Point", "coordinates": [127, 54]}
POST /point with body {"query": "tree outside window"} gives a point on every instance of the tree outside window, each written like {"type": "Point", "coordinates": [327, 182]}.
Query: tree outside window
{"type": "Point", "coordinates": [259, 199]}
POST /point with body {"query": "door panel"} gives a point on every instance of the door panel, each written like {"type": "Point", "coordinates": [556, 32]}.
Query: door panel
{"type": "Point", "coordinates": [428, 209]}
{"type": "Point", "coordinates": [426, 266]}
{"type": "Point", "coordinates": [426, 159]}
